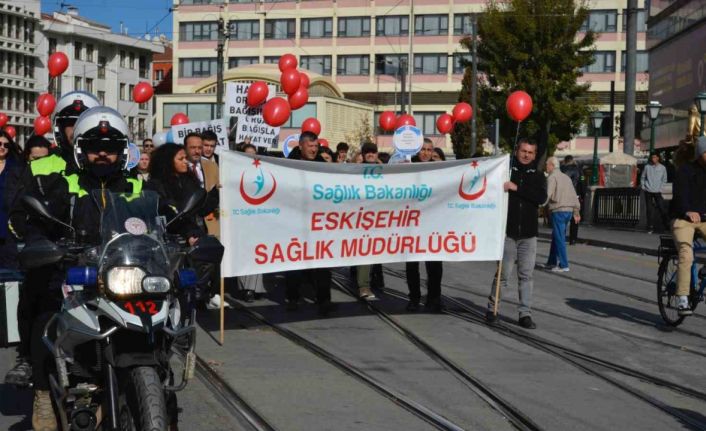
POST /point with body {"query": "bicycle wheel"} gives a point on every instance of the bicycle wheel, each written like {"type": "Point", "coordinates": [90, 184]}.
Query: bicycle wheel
{"type": "Point", "coordinates": [666, 291]}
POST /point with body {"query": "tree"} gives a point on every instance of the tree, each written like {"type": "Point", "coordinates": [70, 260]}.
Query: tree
{"type": "Point", "coordinates": [461, 134]}
{"type": "Point", "coordinates": [534, 45]}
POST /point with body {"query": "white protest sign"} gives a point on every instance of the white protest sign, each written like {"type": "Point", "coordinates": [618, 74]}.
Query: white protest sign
{"type": "Point", "coordinates": [218, 126]}
{"type": "Point", "coordinates": [281, 215]}
{"type": "Point", "coordinates": [408, 140]}
{"type": "Point", "coordinates": [250, 123]}
{"type": "Point", "coordinates": [291, 142]}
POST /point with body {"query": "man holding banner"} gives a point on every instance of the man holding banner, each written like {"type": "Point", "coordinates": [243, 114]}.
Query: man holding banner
{"type": "Point", "coordinates": [527, 191]}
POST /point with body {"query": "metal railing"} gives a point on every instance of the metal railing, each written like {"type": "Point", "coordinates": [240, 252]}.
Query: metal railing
{"type": "Point", "coordinates": [617, 206]}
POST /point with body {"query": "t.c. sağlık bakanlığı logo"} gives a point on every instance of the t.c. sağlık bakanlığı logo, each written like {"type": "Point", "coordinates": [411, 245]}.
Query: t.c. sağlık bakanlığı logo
{"type": "Point", "coordinates": [256, 195]}
{"type": "Point", "coordinates": [475, 188]}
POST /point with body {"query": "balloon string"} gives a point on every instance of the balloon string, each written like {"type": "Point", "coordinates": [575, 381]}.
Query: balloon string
{"type": "Point", "coordinates": [514, 146]}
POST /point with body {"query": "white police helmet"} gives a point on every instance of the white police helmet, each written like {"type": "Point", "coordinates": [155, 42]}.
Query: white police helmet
{"type": "Point", "coordinates": [101, 128]}
{"type": "Point", "coordinates": [69, 107]}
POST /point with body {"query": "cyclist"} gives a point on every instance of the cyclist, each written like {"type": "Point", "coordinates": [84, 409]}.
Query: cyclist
{"type": "Point", "coordinates": [689, 213]}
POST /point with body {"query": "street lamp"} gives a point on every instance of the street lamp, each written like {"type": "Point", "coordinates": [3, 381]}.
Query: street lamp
{"type": "Point", "coordinates": [700, 101]}
{"type": "Point", "coordinates": [653, 111]}
{"type": "Point", "coordinates": [597, 121]}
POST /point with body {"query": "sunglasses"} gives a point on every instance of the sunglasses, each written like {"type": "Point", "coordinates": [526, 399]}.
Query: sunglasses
{"type": "Point", "coordinates": [148, 146]}
{"type": "Point", "coordinates": [5, 145]}
{"type": "Point", "coordinates": [97, 146]}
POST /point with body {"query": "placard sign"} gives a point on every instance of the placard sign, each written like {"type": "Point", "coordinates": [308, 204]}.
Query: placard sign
{"type": "Point", "coordinates": [218, 126]}
{"type": "Point", "coordinates": [291, 142]}
{"type": "Point", "coordinates": [408, 140]}
{"type": "Point", "coordinates": [250, 123]}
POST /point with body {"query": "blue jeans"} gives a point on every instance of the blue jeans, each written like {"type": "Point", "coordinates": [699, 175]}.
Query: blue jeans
{"type": "Point", "coordinates": [558, 249]}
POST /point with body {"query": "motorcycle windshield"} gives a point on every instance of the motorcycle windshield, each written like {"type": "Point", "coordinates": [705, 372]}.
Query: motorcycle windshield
{"type": "Point", "coordinates": [132, 233]}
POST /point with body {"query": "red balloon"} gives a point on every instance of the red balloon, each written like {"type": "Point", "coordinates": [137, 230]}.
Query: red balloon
{"type": "Point", "coordinates": [304, 83]}
{"type": "Point", "coordinates": [257, 93]}
{"type": "Point", "coordinates": [323, 142]}
{"type": "Point", "coordinates": [387, 121]}
{"type": "Point", "coordinates": [142, 92]}
{"type": "Point", "coordinates": [3, 119]}
{"type": "Point", "coordinates": [290, 81]}
{"type": "Point", "coordinates": [298, 98]}
{"type": "Point", "coordinates": [287, 61]}
{"type": "Point", "coordinates": [42, 125]}
{"type": "Point", "coordinates": [312, 125]}
{"type": "Point", "coordinates": [519, 105]}
{"type": "Point", "coordinates": [57, 64]}
{"type": "Point", "coordinates": [462, 112]}
{"type": "Point", "coordinates": [10, 131]}
{"type": "Point", "coordinates": [45, 104]}
{"type": "Point", "coordinates": [276, 111]}
{"type": "Point", "coordinates": [405, 120]}
{"type": "Point", "coordinates": [179, 118]}
{"type": "Point", "coordinates": [445, 123]}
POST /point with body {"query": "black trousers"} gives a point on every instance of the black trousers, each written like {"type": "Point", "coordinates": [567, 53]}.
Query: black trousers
{"type": "Point", "coordinates": [320, 278]}
{"type": "Point", "coordinates": [434, 272]}
{"type": "Point", "coordinates": [655, 205]}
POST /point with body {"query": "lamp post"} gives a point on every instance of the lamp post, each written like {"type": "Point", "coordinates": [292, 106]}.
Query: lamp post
{"type": "Point", "coordinates": [653, 111]}
{"type": "Point", "coordinates": [597, 121]}
{"type": "Point", "coordinates": [700, 101]}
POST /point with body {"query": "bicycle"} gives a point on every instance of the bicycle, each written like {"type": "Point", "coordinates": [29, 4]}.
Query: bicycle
{"type": "Point", "coordinates": [667, 279]}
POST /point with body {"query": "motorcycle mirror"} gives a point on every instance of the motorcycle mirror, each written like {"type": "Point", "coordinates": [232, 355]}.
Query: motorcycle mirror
{"type": "Point", "coordinates": [194, 201]}
{"type": "Point", "coordinates": [33, 204]}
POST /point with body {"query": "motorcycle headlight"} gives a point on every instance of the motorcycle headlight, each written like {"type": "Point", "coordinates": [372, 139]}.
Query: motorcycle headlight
{"type": "Point", "coordinates": [155, 285]}
{"type": "Point", "coordinates": [125, 280]}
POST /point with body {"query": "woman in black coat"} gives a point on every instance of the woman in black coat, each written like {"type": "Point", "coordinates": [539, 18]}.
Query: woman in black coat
{"type": "Point", "coordinates": [11, 166]}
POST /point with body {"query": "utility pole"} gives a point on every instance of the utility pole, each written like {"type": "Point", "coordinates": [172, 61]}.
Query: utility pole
{"type": "Point", "coordinates": [474, 85]}
{"type": "Point", "coordinates": [403, 82]}
{"type": "Point", "coordinates": [612, 115]}
{"type": "Point", "coordinates": [219, 68]}
{"type": "Point", "coordinates": [630, 70]}
{"type": "Point", "coordinates": [410, 57]}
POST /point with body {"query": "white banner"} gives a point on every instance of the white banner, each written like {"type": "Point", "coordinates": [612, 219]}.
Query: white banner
{"type": "Point", "coordinates": [250, 123]}
{"type": "Point", "coordinates": [218, 126]}
{"type": "Point", "coordinates": [279, 214]}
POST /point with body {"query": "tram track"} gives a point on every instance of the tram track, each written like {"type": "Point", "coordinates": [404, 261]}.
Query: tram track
{"type": "Point", "coordinates": [584, 362]}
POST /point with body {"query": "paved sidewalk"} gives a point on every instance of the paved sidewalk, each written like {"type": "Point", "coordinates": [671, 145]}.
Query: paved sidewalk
{"type": "Point", "coordinates": [637, 241]}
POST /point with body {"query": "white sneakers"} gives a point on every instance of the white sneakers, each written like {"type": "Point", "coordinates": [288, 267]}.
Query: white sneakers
{"type": "Point", "coordinates": [683, 307]}
{"type": "Point", "coordinates": [215, 303]}
{"type": "Point", "coordinates": [559, 269]}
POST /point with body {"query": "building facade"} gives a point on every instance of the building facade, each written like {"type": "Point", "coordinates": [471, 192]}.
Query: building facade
{"type": "Point", "coordinates": [105, 64]}
{"type": "Point", "coordinates": [359, 45]}
{"type": "Point", "coordinates": [19, 64]}
{"type": "Point", "coordinates": [162, 70]}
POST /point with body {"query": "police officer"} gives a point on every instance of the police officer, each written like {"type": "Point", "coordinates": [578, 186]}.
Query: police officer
{"type": "Point", "coordinates": [100, 156]}
{"type": "Point", "coordinates": [41, 175]}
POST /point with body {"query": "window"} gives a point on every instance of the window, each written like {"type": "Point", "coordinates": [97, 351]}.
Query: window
{"type": "Point", "coordinates": [78, 47]}
{"type": "Point", "coordinates": [641, 20]}
{"type": "Point", "coordinates": [430, 64]}
{"type": "Point", "coordinates": [141, 132]}
{"type": "Point", "coordinates": [642, 64]}
{"type": "Point", "coordinates": [431, 25]}
{"type": "Point", "coordinates": [588, 130]}
{"type": "Point", "coordinates": [195, 111]}
{"type": "Point", "coordinates": [392, 26]}
{"type": "Point", "coordinates": [89, 85]}
{"type": "Point", "coordinates": [354, 27]}
{"type": "Point", "coordinates": [159, 75]}
{"type": "Point", "coordinates": [427, 122]}
{"type": "Point", "coordinates": [52, 45]}
{"type": "Point", "coordinates": [353, 65]}
{"type": "Point", "coordinates": [601, 21]}
{"type": "Point", "coordinates": [316, 28]}
{"type": "Point", "coordinates": [144, 68]}
{"type": "Point", "coordinates": [320, 64]}
{"type": "Point", "coordinates": [77, 83]}
{"type": "Point", "coordinates": [271, 59]}
{"type": "Point", "coordinates": [389, 64]}
{"type": "Point", "coordinates": [297, 118]}
{"type": "Point", "coordinates": [122, 59]}
{"type": "Point", "coordinates": [280, 28]}
{"type": "Point", "coordinates": [241, 61]}
{"type": "Point", "coordinates": [131, 125]}
{"type": "Point", "coordinates": [191, 31]}
{"type": "Point", "coordinates": [603, 62]}
{"type": "Point", "coordinates": [123, 89]}
{"type": "Point", "coordinates": [101, 97]}
{"type": "Point", "coordinates": [245, 30]}
{"type": "Point", "coordinates": [89, 52]}
{"type": "Point", "coordinates": [101, 67]}
{"type": "Point", "coordinates": [132, 60]}
{"type": "Point", "coordinates": [463, 24]}
{"type": "Point", "coordinates": [131, 89]}
{"type": "Point", "coordinates": [197, 67]}
{"type": "Point", "coordinates": [461, 60]}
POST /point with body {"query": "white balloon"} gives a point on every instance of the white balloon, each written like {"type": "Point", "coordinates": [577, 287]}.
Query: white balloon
{"type": "Point", "coordinates": [159, 138]}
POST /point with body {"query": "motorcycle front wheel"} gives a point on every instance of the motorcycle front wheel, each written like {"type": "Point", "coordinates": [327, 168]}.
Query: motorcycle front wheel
{"type": "Point", "coordinates": [144, 407]}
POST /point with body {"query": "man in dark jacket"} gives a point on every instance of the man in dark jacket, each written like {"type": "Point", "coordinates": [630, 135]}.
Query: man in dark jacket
{"type": "Point", "coordinates": [320, 278]}
{"type": "Point", "coordinates": [528, 190]}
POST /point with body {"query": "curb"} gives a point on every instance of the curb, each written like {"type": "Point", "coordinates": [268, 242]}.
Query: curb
{"type": "Point", "coordinates": [608, 244]}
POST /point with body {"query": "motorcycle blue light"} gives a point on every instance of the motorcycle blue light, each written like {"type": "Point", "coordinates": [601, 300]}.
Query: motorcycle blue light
{"type": "Point", "coordinates": [187, 278]}
{"type": "Point", "coordinates": [82, 276]}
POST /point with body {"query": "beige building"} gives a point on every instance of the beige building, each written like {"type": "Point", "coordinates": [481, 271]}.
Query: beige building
{"type": "Point", "coordinates": [358, 45]}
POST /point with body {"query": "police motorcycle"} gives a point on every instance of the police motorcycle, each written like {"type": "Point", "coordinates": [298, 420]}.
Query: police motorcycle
{"type": "Point", "coordinates": [121, 329]}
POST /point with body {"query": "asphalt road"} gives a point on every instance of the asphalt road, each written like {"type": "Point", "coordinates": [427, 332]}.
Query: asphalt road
{"type": "Point", "coordinates": [608, 313]}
